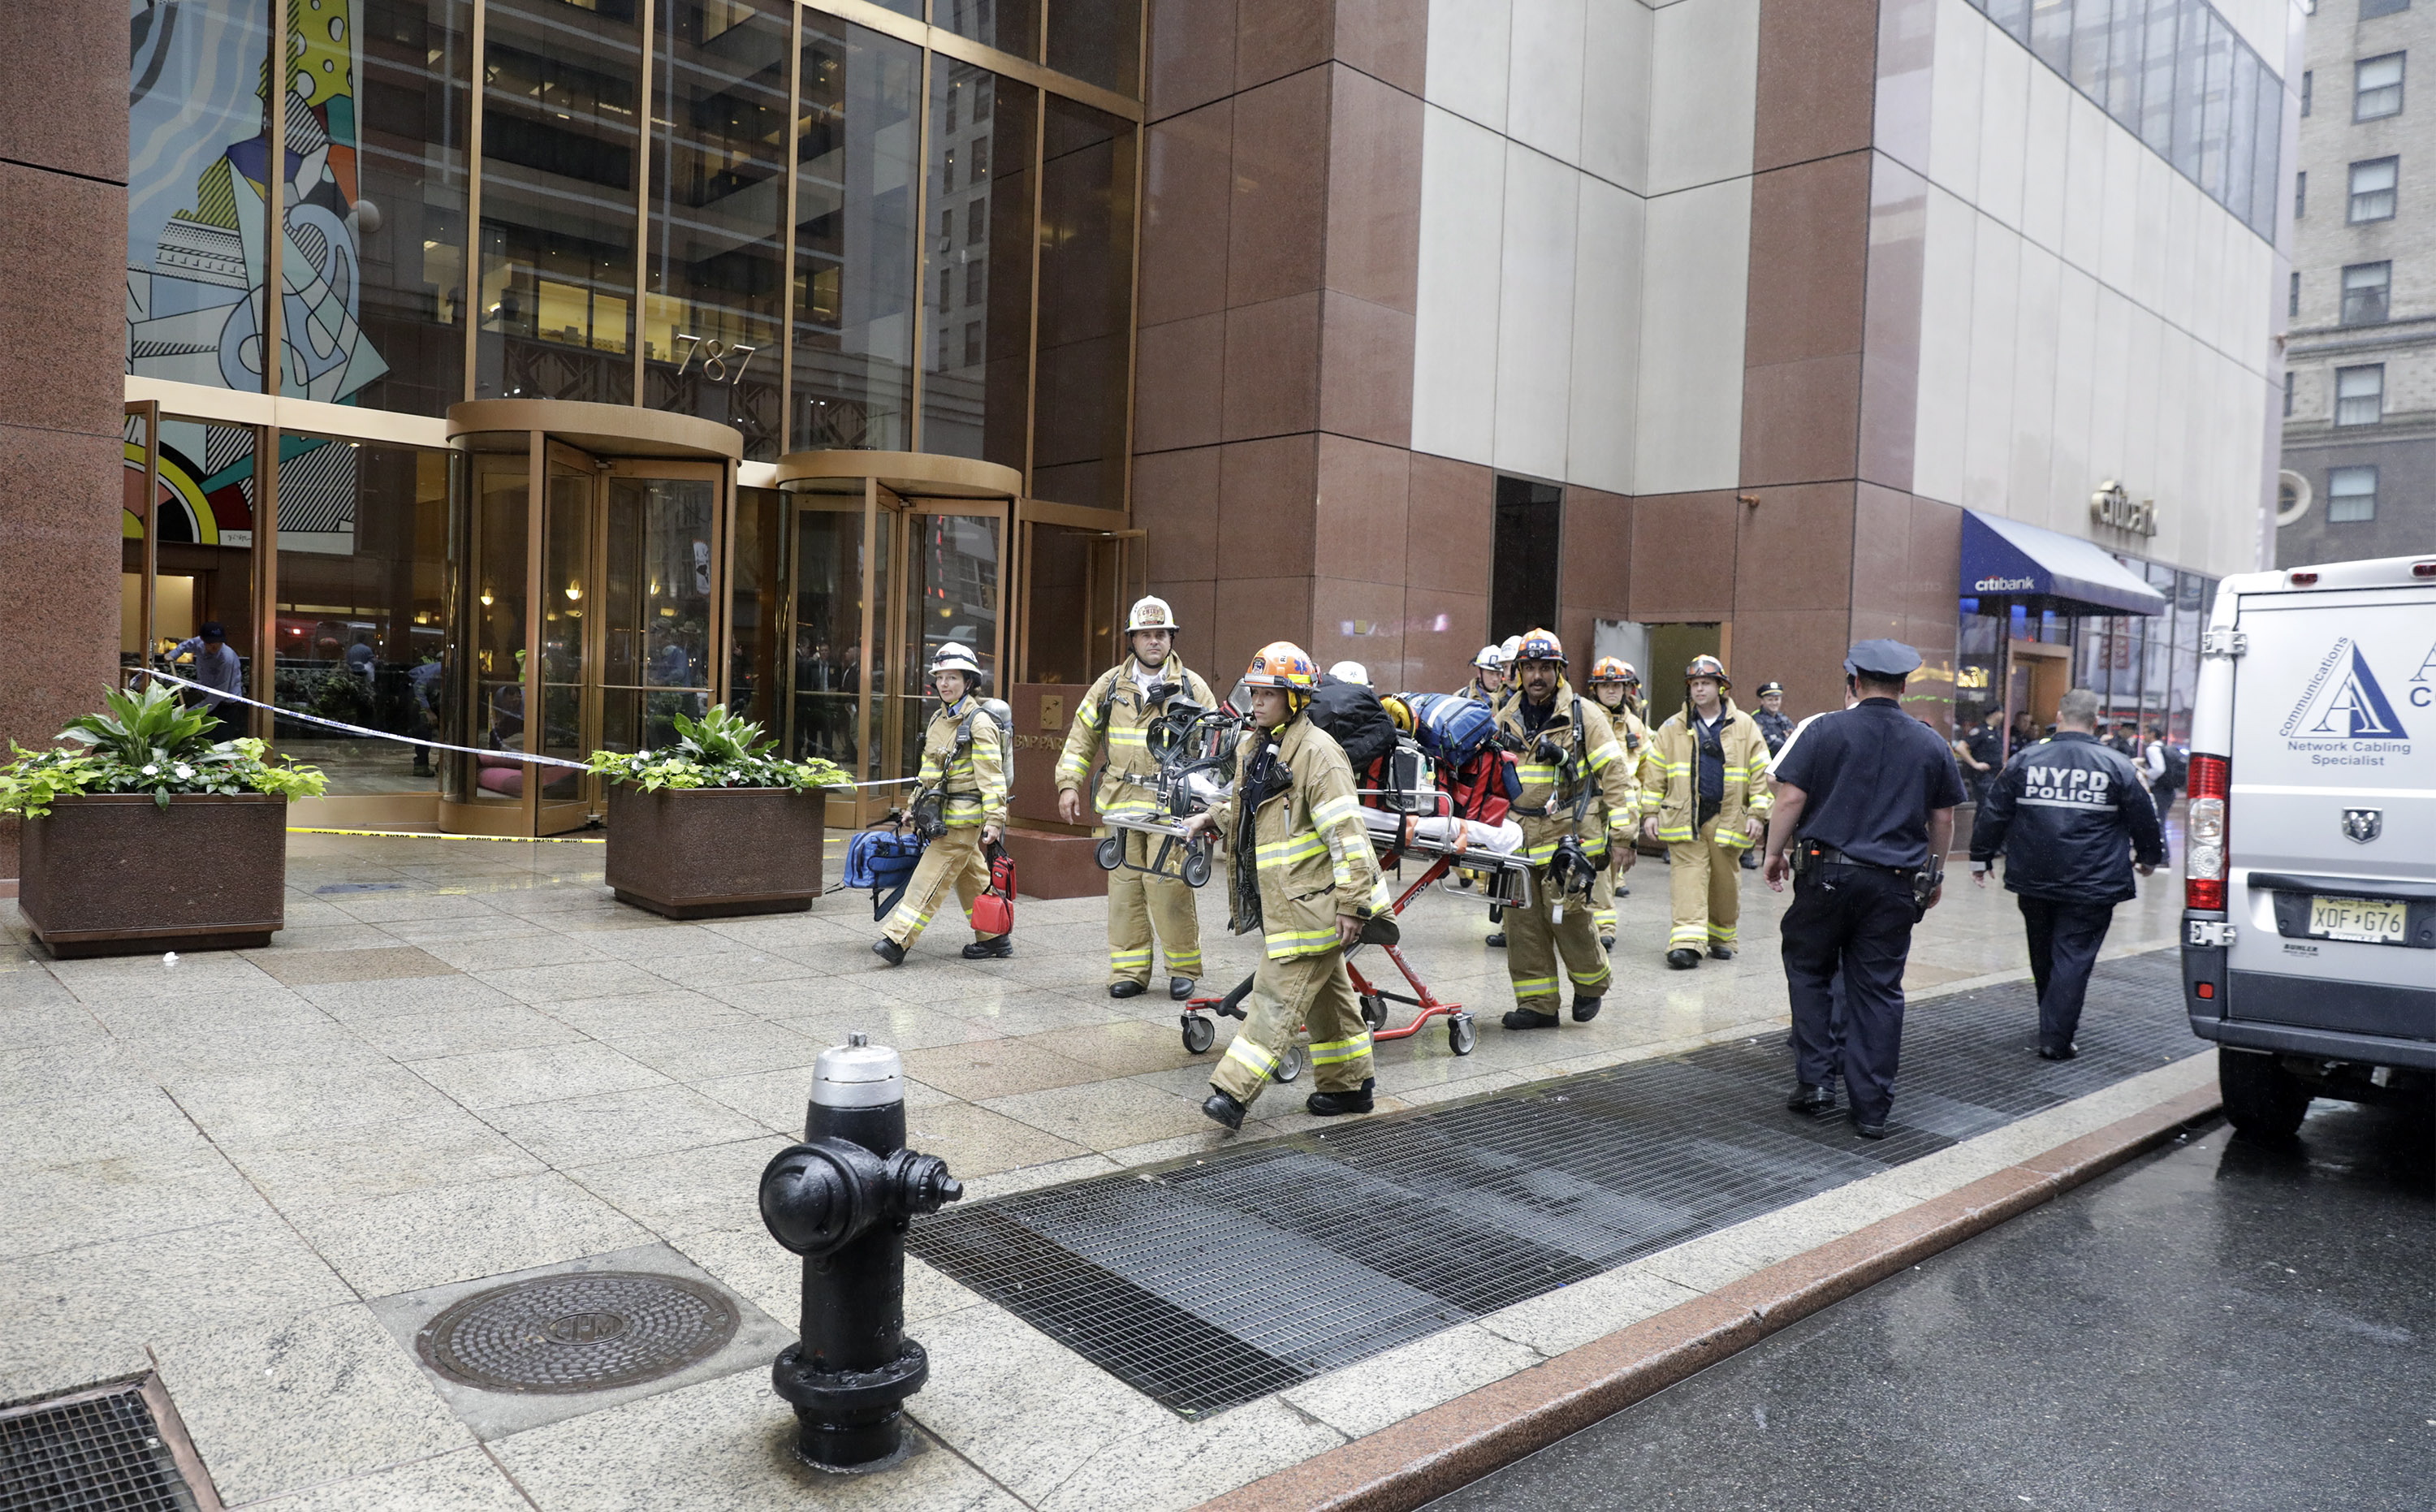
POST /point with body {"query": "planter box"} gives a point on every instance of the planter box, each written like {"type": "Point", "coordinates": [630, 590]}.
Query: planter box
{"type": "Point", "coordinates": [699, 853]}
{"type": "Point", "coordinates": [114, 874]}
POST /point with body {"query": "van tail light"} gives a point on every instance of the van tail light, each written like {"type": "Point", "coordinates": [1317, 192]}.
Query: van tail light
{"type": "Point", "coordinates": [2203, 855]}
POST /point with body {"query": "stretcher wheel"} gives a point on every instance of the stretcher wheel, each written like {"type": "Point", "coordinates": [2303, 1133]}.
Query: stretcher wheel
{"type": "Point", "coordinates": [1199, 1034]}
{"type": "Point", "coordinates": [1289, 1064]}
{"type": "Point", "coordinates": [1374, 1012]}
{"type": "Point", "coordinates": [1110, 853]}
{"type": "Point", "coordinates": [1461, 1035]}
{"type": "Point", "coordinates": [1196, 866]}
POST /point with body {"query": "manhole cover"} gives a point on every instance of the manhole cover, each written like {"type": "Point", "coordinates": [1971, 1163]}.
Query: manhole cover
{"type": "Point", "coordinates": [592, 1332]}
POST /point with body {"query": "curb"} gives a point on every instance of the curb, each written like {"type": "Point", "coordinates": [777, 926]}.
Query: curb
{"type": "Point", "coordinates": [1449, 1446]}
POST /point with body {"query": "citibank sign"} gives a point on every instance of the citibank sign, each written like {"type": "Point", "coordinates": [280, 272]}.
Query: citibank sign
{"type": "Point", "coordinates": [2111, 506]}
{"type": "Point", "coordinates": [2005, 585]}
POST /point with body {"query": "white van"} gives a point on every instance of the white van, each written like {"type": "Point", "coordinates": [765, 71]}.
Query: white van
{"type": "Point", "coordinates": [2309, 887]}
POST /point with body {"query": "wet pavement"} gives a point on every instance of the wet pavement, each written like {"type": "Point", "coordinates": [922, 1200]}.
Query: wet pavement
{"type": "Point", "coordinates": [2217, 1326]}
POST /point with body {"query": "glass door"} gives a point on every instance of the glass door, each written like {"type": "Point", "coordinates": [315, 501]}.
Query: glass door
{"type": "Point", "coordinates": [943, 586]}
{"type": "Point", "coordinates": [570, 693]}
{"type": "Point", "coordinates": [661, 542]}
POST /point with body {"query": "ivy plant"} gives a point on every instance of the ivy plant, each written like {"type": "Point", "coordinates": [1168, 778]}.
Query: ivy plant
{"type": "Point", "coordinates": [720, 750]}
{"type": "Point", "coordinates": [146, 743]}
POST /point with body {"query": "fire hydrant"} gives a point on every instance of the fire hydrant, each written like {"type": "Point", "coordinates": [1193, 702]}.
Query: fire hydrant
{"type": "Point", "coordinates": [843, 1199]}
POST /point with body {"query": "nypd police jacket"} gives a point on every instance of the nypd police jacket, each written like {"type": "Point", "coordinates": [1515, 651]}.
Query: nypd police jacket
{"type": "Point", "coordinates": [2069, 816]}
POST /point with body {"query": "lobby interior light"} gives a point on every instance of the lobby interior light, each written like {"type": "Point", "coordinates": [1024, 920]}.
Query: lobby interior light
{"type": "Point", "coordinates": [574, 592]}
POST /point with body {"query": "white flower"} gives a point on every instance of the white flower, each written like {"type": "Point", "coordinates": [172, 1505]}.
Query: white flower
{"type": "Point", "coordinates": [185, 771]}
{"type": "Point", "coordinates": [152, 771]}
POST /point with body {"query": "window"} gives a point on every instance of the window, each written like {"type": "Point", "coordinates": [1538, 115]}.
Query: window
{"type": "Point", "coordinates": [2373, 188]}
{"type": "Point", "coordinates": [2351, 494]}
{"type": "Point", "coordinates": [2365, 287]}
{"type": "Point", "coordinates": [2300, 194]}
{"type": "Point", "coordinates": [2293, 307]}
{"type": "Point", "coordinates": [2376, 87]}
{"type": "Point", "coordinates": [2359, 395]}
{"type": "Point", "coordinates": [2373, 8]}
{"type": "Point", "coordinates": [2288, 393]}
{"type": "Point", "coordinates": [2309, 82]}
{"type": "Point", "coordinates": [1524, 553]}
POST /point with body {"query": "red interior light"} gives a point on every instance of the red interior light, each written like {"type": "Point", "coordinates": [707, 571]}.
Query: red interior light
{"type": "Point", "coordinates": [2301, 579]}
{"type": "Point", "coordinates": [2207, 989]}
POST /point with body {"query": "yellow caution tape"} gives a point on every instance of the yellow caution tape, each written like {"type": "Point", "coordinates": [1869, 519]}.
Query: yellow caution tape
{"type": "Point", "coordinates": [425, 834]}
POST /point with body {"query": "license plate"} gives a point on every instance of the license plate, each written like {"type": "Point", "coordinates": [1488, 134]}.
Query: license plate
{"type": "Point", "coordinates": [2369, 920]}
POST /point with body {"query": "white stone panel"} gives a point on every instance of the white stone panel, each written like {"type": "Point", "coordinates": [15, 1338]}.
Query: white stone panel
{"type": "Point", "coordinates": [1703, 92]}
{"type": "Point", "coordinates": [1995, 278]}
{"type": "Point", "coordinates": [2183, 206]}
{"type": "Point", "coordinates": [1616, 39]}
{"type": "Point", "coordinates": [2119, 214]}
{"type": "Point", "coordinates": [1695, 301]}
{"type": "Point", "coordinates": [2030, 497]}
{"type": "Point", "coordinates": [2045, 146]}
{"type": "Point", "coordinates": [2073, 468]}
{"type": "Point", "coordinates": [2110, 385]}
{"type": "Point", "coordinates": [1956, 104]}
{"type": "Point", "coordinates": [2176, 404]}
{"type": "Point", "coordinates": [2144, 364]}
{"type": "Point", "coordinates": [1944, 404]}
{"type": "Point", "coordinates": [2149, 262]}
{"type": "Point", "coordinates": [1465, 70]}
{"type": "Point", "coordinates": [1606, 337]}
{"type": "Point", "coordinates": [1544, 91]}
{"type": "Point", "coordinates": [2084, 183]}
{"type": "Point", "coordinates": [1535, 321]}
{"type": "Point", "coordinates": [1454, 326]}
{"type": "Point", "coordinates": [2004, 124]}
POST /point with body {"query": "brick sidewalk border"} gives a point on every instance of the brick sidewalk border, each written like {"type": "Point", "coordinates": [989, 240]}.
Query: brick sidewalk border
{"type": "Point", "coordinates": [1433, 1453]}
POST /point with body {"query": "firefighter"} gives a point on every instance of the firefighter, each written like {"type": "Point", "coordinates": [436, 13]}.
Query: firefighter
{"type": "Point", "coordinates": [1576, 807]}
{"type": "Point", "coordinates": [964, 778]}
{"type": "Point", "coordinates": [1111, 728]}
{"type": "Point", "coordinates": [1707, 772]}
{"type": "Point", "coordinates": [1301, 871]}
{"type": "Point", "coordinates": [1488, 677]}
{"type": "Point", "coordinates": [1616, 684]}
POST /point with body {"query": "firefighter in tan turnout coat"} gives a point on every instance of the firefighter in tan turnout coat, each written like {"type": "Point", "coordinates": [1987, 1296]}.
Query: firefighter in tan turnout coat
{"type": "Point", "coordinates": [1707, 770]}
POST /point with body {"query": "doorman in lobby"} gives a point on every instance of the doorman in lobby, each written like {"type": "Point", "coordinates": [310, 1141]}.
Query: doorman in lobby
{"type": "Point", "coordinates": [959, 804]}
{"type": "Point", "coordinates": [1111, 731]}
{"type": "Point", "coordinates": [1576, 809]}
{"type": "Point", "coordinates": [1707, 766]}
{"type": "Point", "coordinates": [1615, 683]}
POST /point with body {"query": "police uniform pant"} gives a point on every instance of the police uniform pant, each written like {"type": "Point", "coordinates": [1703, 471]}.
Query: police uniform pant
{"type": "Point", "coordinates": [1141, 905]}
{"type": "Point", "coordinates": [953, 860]}
{"type": "Point", "coordinates": [2064, 941]}
{"type": "Point", "coordinates": [1856, 920]}
{"type": "Point", "coordinates": [1705, 875]}
{"type": "Point", "coordinates": [1287, 995]}
{"type": "Point", "coordinates": [1533, 940]}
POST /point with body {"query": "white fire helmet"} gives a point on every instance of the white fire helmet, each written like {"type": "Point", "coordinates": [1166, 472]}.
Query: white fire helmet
{"type": "Point", "coordinates": [1490, 660]}
{"type": "Point", "coordinates": [955, 656]}
{"type": "Point", "coordinates": [1351, 673]}
{"type": "Point", "coordinates": [1150, 614]}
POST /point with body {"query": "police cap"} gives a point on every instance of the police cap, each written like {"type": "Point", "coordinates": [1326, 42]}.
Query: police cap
{"type": "Point", "coordinates": [1882, 658]}
{"type": "Point", "coordinates": [1765, 688]}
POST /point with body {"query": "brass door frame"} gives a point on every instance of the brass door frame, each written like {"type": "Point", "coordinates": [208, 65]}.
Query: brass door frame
{"type": "Point", "coordinates": [904, 658]}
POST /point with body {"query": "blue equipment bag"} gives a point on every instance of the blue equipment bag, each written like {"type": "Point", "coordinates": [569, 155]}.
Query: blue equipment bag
{"type": "Point", "coordinates": [882, 860]}
{"type": "Point", "coordinates": [1452, 730]}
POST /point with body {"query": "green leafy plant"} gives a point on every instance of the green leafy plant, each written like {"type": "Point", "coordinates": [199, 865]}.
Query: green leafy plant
{"type": "Point", "coordinates": [720, 750]}
{"type": "Point", "coordinates": [146, 743]}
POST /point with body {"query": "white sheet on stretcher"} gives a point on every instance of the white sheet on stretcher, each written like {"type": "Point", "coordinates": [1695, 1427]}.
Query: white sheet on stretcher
{"type": "Point", "coordinates": [1439, 834]}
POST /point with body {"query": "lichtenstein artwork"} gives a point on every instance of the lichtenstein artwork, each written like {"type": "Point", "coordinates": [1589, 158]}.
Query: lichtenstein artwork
{"type": "Point", "coordinates": [198, 176]}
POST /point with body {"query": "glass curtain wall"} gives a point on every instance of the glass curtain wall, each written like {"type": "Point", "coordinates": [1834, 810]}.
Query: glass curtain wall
{"type": "Point", "coordinates": [203, 525]}
{"type": "Point", "coordinates": [978, 189]}
{"type": "Point", "coordinates": [2177, 75]}
{"type": "Point", "coordinates": [1087, 218]}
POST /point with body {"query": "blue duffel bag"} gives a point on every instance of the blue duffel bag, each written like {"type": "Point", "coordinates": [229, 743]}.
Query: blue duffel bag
{"type": "Point", "coordinates": [882, 860]}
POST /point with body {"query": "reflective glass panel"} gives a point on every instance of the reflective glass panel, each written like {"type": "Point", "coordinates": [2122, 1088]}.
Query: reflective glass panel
{"type": "Point", "coordinates": [363, 625]}
{"type": "Point", "coordinates": [2157, 69]}
{"type": "Point", "coordinates": [654, 606]}
{"type": "Point", "coordinates": [2127, 37]}
{"type": "Point", "coordinates": [2216, 116]}
{"type": "Point", "coordinates": [2051, 34]}
{"type": "Point", "coordinates": [483, 702]}
{"type": "Point", "coordinates": [2241, 111]}
{"type": "Point", "coordinates": [560, 108]}
{"type": "Point", "coordinates": [757, 617]}
{"type": "Point", "coordinates": [1087, 208]}
{"type": "Point", "coordinates": [2268, 124]}
{"type": "Point", "coordinates": [569, 598]}
{"type": "Point", "coordinates": [199, 151]}
{"type": "Point", "coordinates": [203, 532]}
{"type": "Point", "coordinates": [856, 129]}
{"type": "Point", "coordinates": [977, 276]}
{"type": "Point", "coordinates": [957, 568]}
{"type": "Point", "coordinates": [1098, 41]}
{"type": "Point", "coordinates": [826, 674]}
{"type": "Point", "coordinates": [374, 262]}
{"type": "Point", "coordinates": [714, 286]}
{"type": "Point", "coordinates": [1009, 26]}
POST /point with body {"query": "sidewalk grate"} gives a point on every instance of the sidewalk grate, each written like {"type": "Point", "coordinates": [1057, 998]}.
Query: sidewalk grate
{"type": "Point", "coordinates": [98, 1451]}
{"type": "Point", "coordinates": [1214, 1281]}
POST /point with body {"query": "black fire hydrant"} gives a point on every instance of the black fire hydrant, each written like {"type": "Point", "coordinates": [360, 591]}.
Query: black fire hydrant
{"type": "Point", "coordinates": [843, 1200]}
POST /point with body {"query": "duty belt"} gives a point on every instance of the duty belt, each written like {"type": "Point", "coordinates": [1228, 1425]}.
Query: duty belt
{"type": "Point", "coordinates": [1829, 856]}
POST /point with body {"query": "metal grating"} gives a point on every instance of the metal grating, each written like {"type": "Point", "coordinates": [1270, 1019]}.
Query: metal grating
{"type": "Point", "coordinates": [93, 1451]}
{"type": "Point", "coordinates": [1211, 1282]}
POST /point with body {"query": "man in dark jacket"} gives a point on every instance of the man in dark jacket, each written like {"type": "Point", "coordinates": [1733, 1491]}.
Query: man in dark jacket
{"type": "Point", "coordinates": [2071, 818]}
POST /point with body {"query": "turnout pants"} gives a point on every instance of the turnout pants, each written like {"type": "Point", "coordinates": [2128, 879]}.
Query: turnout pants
{"type": "Point", "coordinates": [1603, 903]}
{"type": "Point", "coordinates": [1286, 994]}
{"type": "Point", "coordinates": [1141, 905]}
{"type": "Point", "coordinates": [1706, 878]}
{"type": "Point", "coordinates": [953, 860]}
{"type": "Point", "coordinates": [1534, 940]}
{"type": "Point", "coordinates": [2065, 940]}
{"type": "Point", "coordinates": [1857, 921]}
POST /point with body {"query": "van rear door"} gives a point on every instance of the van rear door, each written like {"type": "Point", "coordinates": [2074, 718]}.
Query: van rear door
{"type": "Point", "coordinates": [2331, 821]}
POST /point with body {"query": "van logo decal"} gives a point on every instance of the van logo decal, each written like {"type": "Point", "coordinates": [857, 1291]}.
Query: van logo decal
{"type": "Point", "coordinates": [2363, 824]}
{"type": "Point", "coordinates": [2344, 702]}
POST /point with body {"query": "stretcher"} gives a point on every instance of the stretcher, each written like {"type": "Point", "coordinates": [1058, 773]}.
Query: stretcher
{"type": "Point", "coordinates": [1445, 843]}
{"type": "Point", "coordinates": [1193, 791]}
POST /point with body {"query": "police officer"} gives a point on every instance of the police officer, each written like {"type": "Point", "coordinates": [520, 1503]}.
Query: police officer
{"type": "Point", "coordinates": [1112, 727]}
{"type": "Point", "coordinates": [1301, 871]}
{"type": "Point", "coordinates": [2070, 818]}
{"type": "Point", "coordinates": [1576, 809]}
{"type": "Point", "coordinates": [1864, 809]}
{"type": "Point", "coordinates": [963, 775]}
{"type": "Point", "coordinates": [1770, 718]}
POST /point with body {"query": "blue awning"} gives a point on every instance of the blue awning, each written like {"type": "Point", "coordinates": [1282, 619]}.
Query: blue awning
{"type": "Point", "coordinates": [2010, 563]}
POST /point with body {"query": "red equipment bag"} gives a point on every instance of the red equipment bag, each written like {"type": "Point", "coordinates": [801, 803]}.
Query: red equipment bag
{"type": "Point", "coordinates": [994, 911]}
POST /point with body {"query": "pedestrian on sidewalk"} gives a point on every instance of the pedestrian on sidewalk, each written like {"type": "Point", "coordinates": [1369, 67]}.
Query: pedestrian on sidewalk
{"type": "Point", "coordinates": [1707, 767]}
{"type": "Point", "coordinates": [959, 805]}
{"type": "Point", "coordinates": [1864, 815]}
{"type": "Point", "coordinates": [2073, 822]}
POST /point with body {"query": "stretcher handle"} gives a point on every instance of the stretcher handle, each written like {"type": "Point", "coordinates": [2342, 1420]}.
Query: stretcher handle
{"type": "Point", "coordinates": [1231, 1004]}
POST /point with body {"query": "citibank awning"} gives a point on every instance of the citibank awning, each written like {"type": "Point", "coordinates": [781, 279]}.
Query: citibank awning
{"type": "Point", "coordinates": [2006, 561]}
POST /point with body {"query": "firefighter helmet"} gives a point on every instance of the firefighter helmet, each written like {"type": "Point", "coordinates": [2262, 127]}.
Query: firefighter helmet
{"type": "Point", "coordinates": [1490, 660]}
{"type": "Point", "coordinates": [1399, 712]}
{"type": "Point", "coordinates": [1505, 652]}
{"type": "Point", "coordinates": [1711, 668]}
{"type": "Point", "coordinates": [1281, 664]}
{"type": "Point", "coordinates": [1351, 673]}
{"type": "Point", "coordinates": [1613, 670]}
{"type": "Point", "coordinates": [955, 656]}
{"type": "Point", "coordinates": [1540, 646]}
{"type": "Point", "coordinates": [1152, 614]}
